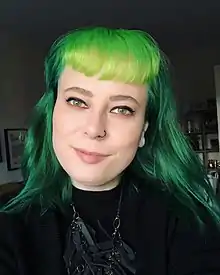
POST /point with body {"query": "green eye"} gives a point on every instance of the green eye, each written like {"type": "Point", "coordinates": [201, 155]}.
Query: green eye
{"type": "Point", "coordinates": [76, 102]}
{"type": "Point", "coordinates": [123, 110]}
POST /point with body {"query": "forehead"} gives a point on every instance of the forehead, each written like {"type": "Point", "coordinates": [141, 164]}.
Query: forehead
{"type": "Point", "coordinates": [71, 78]}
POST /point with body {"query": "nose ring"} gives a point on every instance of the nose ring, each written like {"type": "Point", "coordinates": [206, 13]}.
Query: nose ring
{"type": "Point", "coordinates": [104, 135]}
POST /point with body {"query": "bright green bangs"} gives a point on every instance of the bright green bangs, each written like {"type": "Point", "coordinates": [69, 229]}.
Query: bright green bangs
{"type": "Point", "coordinates": [128, 56]}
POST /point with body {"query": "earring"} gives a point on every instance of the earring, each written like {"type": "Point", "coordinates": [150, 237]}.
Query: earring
{"type": "Point", "coordinates": [142, 141]}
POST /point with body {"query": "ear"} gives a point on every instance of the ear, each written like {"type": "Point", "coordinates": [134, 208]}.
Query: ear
{"type": "Point", "coordinates": [142, 139]}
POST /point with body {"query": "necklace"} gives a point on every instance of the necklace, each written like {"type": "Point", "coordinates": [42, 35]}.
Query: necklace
{"type": "Point", "coordinates": [85, 256]}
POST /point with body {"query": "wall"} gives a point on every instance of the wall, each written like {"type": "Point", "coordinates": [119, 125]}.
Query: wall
{"type": "Point", "coordinates": [195, 78]}
{"type": "Point", "coordinates": [21, 82]}
{"type": "Point", "coordinates": [194, 74]}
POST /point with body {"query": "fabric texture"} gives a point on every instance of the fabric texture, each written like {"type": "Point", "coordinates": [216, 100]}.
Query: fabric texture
{"type": "Point", "coordinates": [164, 236]}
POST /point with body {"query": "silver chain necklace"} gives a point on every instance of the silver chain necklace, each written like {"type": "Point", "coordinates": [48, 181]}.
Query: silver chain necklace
{"type": "Point", "coordinates": [84, 256]}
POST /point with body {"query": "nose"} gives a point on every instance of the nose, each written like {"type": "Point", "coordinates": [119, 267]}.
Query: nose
{"type": "Point", "coordinates": [96, 126]}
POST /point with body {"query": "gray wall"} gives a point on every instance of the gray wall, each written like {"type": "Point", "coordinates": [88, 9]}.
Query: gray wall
{"type": "Point", "coordinates": [194, 74]}
{"type": "Point", "coordinates": [21, 83]}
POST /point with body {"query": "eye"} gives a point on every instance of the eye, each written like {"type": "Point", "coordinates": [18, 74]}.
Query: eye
{"type": "Point", "coordinates": [76, 102]}
{"type": "Point", "coordinates": [123, 110]}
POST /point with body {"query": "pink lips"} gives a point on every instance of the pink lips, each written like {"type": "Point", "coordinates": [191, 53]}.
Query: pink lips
{"type": "Point", "coordinates": [90, 157]}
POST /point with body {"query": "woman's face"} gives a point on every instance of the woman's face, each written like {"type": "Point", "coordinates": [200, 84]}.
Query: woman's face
{"type": "Point", "coordinates": [97, 126]}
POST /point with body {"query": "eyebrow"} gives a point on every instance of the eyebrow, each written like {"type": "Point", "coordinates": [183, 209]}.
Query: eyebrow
{"type": "Point", "coordinates": [80, 91]}
{"type": "Point", "coordinates": [123, 97]}
{"type": "Point", "coordinates": [90, 94]}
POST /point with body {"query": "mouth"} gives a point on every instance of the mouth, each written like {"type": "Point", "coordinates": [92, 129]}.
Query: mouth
{"type": "Point", "coordinates": [90, 157]}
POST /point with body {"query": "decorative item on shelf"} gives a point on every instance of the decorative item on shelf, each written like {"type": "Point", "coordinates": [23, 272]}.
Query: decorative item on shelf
{"type": "Point", "coordinates": [213, 164]}
{"type": "Point", "coordinates": [193, 123]}
{"type": "Point", "coordinates": [14, 143]}
{"type": "Point", "coordinates": [213, 177]}
{"type": "Point", "coordinates": [201, 128]}
{"type": "Point", "coordinates": [189, 128]}
{"type": "Point", "coordinates": [212, 142]}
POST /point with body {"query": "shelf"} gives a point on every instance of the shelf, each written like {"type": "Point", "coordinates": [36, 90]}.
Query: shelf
{"type": "Point", "coordinates": [217, 169]}
{"type": "Point", "coordinates": [201, 133]}
{"type": "Point", "coordinates": [193, 133]}
{"type": "Point", "coordinates": [207, 151]}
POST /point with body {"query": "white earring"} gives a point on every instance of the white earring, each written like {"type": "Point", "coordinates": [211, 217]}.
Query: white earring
{"type": "Point", "coordinates": [142, 140]}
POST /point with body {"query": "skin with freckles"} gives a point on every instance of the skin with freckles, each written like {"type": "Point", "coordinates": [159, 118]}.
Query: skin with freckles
{"type": "Point", "coordinates": [98, 126]}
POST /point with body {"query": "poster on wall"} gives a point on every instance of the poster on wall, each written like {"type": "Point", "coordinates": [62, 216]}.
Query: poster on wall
{"type": "Point", "coordinates": [14, 145]}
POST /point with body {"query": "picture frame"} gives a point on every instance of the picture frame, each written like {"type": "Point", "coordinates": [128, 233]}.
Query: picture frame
{"type": "Point", "coordinates": [14, 146]}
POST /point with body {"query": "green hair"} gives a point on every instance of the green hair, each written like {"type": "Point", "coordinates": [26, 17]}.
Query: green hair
{"type": "Point", "coordinates": [128, 56]}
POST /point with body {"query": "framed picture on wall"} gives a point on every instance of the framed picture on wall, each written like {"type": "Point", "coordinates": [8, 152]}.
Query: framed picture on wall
{"type": "Point", "coordinates": [14, 145]}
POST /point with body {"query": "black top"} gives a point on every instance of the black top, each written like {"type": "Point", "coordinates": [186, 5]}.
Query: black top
{"type": "Point", "coordinates": [166, 239]}
{"type": "Point", "coordinates": [100, 208]}
{"type": "Point", "coordinates": [98, 211]}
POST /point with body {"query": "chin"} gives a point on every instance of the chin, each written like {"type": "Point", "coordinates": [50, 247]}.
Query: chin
{"type": "Point", "coordinates": [92, 180]}
{"type": "Point", "coordinates": [97, 175]}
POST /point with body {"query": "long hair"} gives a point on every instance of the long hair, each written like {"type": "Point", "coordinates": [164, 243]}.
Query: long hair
{"type": "Point", "coordinates": [128, 56]}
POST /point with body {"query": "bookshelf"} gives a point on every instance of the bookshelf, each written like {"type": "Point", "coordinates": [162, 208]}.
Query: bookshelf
{"type": "Point", "coordinates": [201, 128]}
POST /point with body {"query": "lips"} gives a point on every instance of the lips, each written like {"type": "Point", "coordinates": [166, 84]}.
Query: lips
{"type": "Point", "coordinates": [90, 157]}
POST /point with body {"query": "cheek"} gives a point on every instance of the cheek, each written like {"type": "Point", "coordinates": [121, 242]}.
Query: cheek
{"type": "Point", "coordinates": [62, 120]}
{"type": "Point", "coordinates": [128, 139]}
{"type": "Point", "coordinates": [58, 119]}
{"type": "Point", "coordinates": [127, 148]}
{"type": "Point", "coordinates": [60, 127]}
{"type": "Point", "coordinates": [60, 130]}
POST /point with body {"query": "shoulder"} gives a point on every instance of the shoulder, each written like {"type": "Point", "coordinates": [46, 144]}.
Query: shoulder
{"type": "Point", "coordinates": [9, 243]}
{"type": "Point", "coordinates": [175, 229]}
{"type": "Point", "coordinates": [163, 207]}
{"type": "Point", "coordinates": [24, 226]}
{"type": "Point", "coordinates": [9, 223]}
{"type": "Point", "coordinates": [26, 236]}
{"type": "Point", "coordinates": [155, 207]}
{"type": "Point", "coordinates": [153, 195]}
{"type": "Point", "coordinates": [19, 223]}
{"type": "Point", "coordinates": [6, 225]}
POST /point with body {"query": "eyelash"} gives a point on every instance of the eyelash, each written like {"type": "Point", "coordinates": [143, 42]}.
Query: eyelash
{"type": "Point", "coordinates": [124, 108]}
{"type": "Point", "coordinates": [76, 100]}
{"type": "Point", "coordinates": [81, 102]}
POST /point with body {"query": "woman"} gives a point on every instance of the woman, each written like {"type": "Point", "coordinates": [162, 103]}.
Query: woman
{"type": "Point", "coordinates": [111, 184]}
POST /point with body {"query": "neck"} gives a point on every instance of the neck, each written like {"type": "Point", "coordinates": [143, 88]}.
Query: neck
{"type": "Point", "coordinates": [87, 186]}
